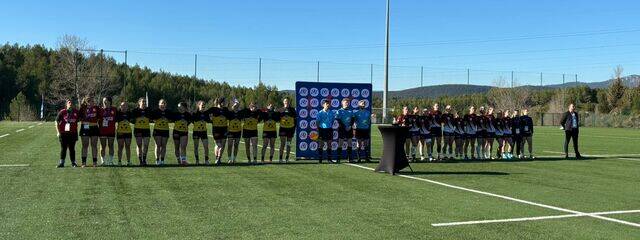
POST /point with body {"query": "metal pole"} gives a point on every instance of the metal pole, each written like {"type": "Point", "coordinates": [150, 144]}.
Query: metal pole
{"type": "Point", "coordinates": [371, 74]}
{"type": "Point", "coordinates": [421, 76]}
{"type": "Point", "coordinates": [260, 71]}
{"type": "Point", "coordinates": [385, 92]}
{"type": "Point", "coordinates": [318, 71]}
{"type": "Point", "coordinates": [576, 79]}
{"type": "Point", "coordinates": [195, 76]}
{"type": "Point", "coordinates": [468, 76]}
{"type": "Point", "coordinates": [540, 79]}
{"type": "Point", "coordinates": [125, 57]}
{"type": "Point", "coordinates": [563, 79]}
{"type": "Point", "coordinates": [511, 79]}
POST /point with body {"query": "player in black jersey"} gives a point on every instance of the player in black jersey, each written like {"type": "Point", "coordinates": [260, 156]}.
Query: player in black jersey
{"type": "Point", "coordinates": [200, 118]}
{"type": "Point", "coordinates": [287, 128]}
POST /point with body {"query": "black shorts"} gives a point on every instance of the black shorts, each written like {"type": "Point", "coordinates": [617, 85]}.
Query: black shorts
{"type": "Point", "coordinates": [107, 135]}
{"type": "Point", "coordinates": [326, 134]}
{"type": "Point", "coordinates": [92, 131]}
{"type": "Point", "coordinates": [160, 133]}
{"type": "Point", "coordinates": [219, 133]}
{"type": "Point", "coordinates": [363, 133]}
{"type": "Point", "coordinates": [287, 132]}
{"type": "Point", "coordinates": [344, 133]}
{"type": "Point", "coordinates": [234, 134]}
{"type": "Point", "coordinates": [269, 134]}
{"type": "Point", "coordinates": [142, 132]}
{"type": "Point", "coordinates": [123, 135]}
{"type": "Point", "coordinates": [470, 136]}
{"type": "Point", "coordinates": [491, 134]}
{"type": "Point", "coordinates": [414, 134]}
{"type": "Point", "coordinates": [199, 135]}
{"type": "Point", "coordinates": [526, 134]}
{"type": "Point", "coordinates": [249, 133]}
{"type": "Point", "coordinates": [458, 135]}
{"type": "Point", "coordinates": [179, 134]}
{"type": "Point", "coordinates": [436, 131]}
{"type": "Point", "coordinates": [448, 134]}
{"type": "Point", "coordinates": [481, 134]}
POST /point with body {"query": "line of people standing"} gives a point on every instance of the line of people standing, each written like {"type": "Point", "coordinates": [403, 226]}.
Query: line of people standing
{"type": "Point", "coordinates": [229, 124]}
{"type": "Point", "coordinates": [468, 136]}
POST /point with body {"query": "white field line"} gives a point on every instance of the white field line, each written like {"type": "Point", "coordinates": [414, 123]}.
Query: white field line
{"type": "Point", "coordinates": [529, 218]}
{"type": "Point", "coordinates": [630, 159]}
{"type": "Point", "coordinates": [510, 198]}
{"type": "Point", "coordinates": [4, 135]}
{"type": "Point", "coordinates": [32, 126]}
{"type": "Point", "coordinates": [14, 165]}
{"type": "Point", "coordinates": [20, 130]}
{"type": "Point", "coordinates": [40, 124]}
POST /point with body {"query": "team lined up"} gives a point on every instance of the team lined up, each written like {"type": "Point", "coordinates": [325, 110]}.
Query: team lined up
{"type": "Point", "coordinates": [474, 133]}
{"type": "Point", "coordinates": [229, 124]}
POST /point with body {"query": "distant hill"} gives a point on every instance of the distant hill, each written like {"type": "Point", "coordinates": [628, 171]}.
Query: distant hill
{"type": "Point", "coordinates": [463, 89]}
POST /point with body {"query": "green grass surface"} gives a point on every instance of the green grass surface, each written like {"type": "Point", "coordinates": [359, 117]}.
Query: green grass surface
{"type": "Point", "coordinates": [308, 200]}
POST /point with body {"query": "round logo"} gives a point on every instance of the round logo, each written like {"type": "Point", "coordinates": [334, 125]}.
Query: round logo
{"type": "Point", "coordinates": [303, 91]}
{"type": "Point", "coordinates": [344, 92]}
{"type": "Point", "coordinates": [314, 92]}
{"type": "Point", "coordinates": [355, 93]}
{"type": "Point", "coordinates": [303, 124]}
{"type": "Point", "coordinates": [303, 146]}
{"type": "Point", "coordinates": [303, 113]}
{"type": "Point", "coordinates": [334, 146]}
{"type": "Point", "coordinates": [303, 102]}
{"type": "Point", "coordinates": [335, 135]}
{"type": "Point", "coordinates": [313, 124]}
{"type": "Point", "coordinates": [335, 92]}
{"type": "Point", "coordinates": [313, 146]}
{"type": "Point", "coordinates": [303, 135]}
{"type": "Point", "coordinates": [324, 92]}
{"type": "Point", "coordinates": [313, 113]}
{"type": "Point", "coordinates": [365, 93]}
{"type": "Point", "coordinates": [335, 103]}
{"type": "Point", "coordinates": [314, 102]}
{"type": "Point", "coordinates": [366, 103]}
{"type": "Point", "coordinates": [354, 144]}
{"type": "Point", "coordinates": [345, 144]}
{"type": "Point", "coordinates": [354, 103]}
{"type": "Point", "coordinates": [335, 125]}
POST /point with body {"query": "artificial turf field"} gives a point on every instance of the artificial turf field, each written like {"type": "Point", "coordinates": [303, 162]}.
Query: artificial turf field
{"type": "Point", "coordinates": [307, 200]}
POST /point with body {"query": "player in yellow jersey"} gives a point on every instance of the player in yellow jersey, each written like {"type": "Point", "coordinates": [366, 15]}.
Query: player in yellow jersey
{"type": "Point", "coordinates": [181, 120]}
{"type": "Point", "coordinates": [287, 128]}
{"type": "Point", "coordinates": [123, 132]}
{"type": "Point", "coordinates": [235, 131]}
{"type": "Point", "coordinates": [200, 118]}
{"type": "Point", "coordinates": [141, 130]}
{"type": "Point", "coordinates": [270, 118]}
{"type": "Point", "coordinates": [161, 117]}
{"type": "Point", "coordinates": [250, 118]}
{"type": "Point", "coordinates": [220, 126]}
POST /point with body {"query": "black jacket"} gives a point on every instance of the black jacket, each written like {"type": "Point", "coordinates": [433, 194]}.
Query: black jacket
{"type": "Point", "coordinates": [566, 121]}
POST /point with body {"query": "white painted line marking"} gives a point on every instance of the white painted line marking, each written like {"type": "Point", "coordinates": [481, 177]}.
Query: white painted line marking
{"type": "Point", "coordinates": [5, 135]}
{"type": "Point", "coordinates": [40, 124]}
{"type": "Point", "coordinates": [20, 130]}
{"type": "Point", "coordinates": [602, 155]}
{"type": "Point", "coordinates": [630, 159]}
{"type": "Point", "coordinates": [529, 218]}
{"type": "Point", "coordinates": [32, 126]}
{"type": "Point", "coordinates": [511, 198]}
{"type": "Point", "coordinates": [14, 165]}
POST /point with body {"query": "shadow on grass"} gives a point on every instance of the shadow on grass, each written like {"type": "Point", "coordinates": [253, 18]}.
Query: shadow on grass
{"type": "Point", "coordinates": [405, 172]}
{"type": "Point", "coordinates": [538, 159]}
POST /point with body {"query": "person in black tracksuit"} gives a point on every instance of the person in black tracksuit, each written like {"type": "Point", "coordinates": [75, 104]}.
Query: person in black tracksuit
{"type": "Point", "coordinates": [570, 123]}
{"type": "Point", "coordinates": [516, 130]}
{"type": "Point", "coordinates": [526, 128]}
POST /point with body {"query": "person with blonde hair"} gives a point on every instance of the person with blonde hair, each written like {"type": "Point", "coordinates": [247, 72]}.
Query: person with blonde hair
{"type": "Point", "coordinates": [89, 131]}
{"type": "Point", "coordinates": [141, 129]}
{"type": "Point", "coordinates": [200, 118]}
{"type": "Point", "coordinates": [123, 135]}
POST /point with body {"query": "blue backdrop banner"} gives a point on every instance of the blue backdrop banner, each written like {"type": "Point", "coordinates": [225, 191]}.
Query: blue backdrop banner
{"type": "Point", "coordinates": [309, 96]}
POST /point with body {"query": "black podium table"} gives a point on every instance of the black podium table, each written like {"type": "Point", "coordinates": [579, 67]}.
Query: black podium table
{"type": "Point", "coordinates": [393, 158]}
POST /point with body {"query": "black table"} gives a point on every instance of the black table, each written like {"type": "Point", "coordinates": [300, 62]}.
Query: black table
{"type": "Point", "coordinates": [393, 158]}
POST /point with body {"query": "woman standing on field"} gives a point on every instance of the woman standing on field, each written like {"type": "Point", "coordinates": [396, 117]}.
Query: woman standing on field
{"type": "Point", "coordinates": [250, 118]}
{"type": "Point", "coordinates": [107, 130]}
{"type": "Point", "coordinates": [141, 130]}
{"type": "Point", "coordinates": [161, 117]}
{"type": "Point", "coordinates": [200, 118]}
{"type": "Point", "coordinates": [89, 132]}
{"type": "Point", "coordinates": [181, 120]}
{"type": "Point", "coordinates": [491, 134]}
{"type": "Point", "coordinates": [124, 132]}
{"type": "Point", "coordinates": [470, 123]}
{"type": "Point", "coordinates": [220, 127]}
{"type": "Point", "coordinates": [235, 131]}
{"type": "Point", "coordinates": [507, 147]}
{"type": "Point", "coordinates": [67, 131]}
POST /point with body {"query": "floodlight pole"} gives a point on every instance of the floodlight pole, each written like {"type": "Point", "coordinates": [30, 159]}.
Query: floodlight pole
{"type": "Point", "coordinates": [385, 93]}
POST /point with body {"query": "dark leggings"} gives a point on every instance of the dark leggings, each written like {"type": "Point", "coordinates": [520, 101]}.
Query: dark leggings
{"type": "Point", "coordinates": [68, 142]}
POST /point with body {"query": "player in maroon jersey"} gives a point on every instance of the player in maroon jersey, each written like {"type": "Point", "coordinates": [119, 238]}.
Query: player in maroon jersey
{"type": "Point", "coordinates": [89, 132]}
{"type": "Point", "coordinates": [67, 131]}
{"type": "Point", "coordinates": [107, 126]}
{"type": "Point", "coordinates": [436, 129]}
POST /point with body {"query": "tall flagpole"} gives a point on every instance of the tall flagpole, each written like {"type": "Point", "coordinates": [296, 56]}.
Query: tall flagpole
{"type": "Point", "coordinates": [386, 69]}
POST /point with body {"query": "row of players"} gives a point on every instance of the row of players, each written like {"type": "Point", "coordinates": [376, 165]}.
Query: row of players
{"type": "Point", "coordinates": [473, 134]}
{"type": "Point", "coordinates": [109, 124]}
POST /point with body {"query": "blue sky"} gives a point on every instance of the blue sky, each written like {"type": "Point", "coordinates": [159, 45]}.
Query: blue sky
{"type": "Point", "coordinates": [491, 38]}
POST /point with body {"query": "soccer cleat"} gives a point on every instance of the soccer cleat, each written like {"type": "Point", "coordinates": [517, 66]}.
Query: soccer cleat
{"type": "Point", "coordinates": [73, 164]}
{"type": "Point", "coordinates": [61, 165]}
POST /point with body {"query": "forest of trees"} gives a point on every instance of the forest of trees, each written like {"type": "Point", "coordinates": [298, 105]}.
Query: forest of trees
{"type": "Point", "coordinates": [30, 74]}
